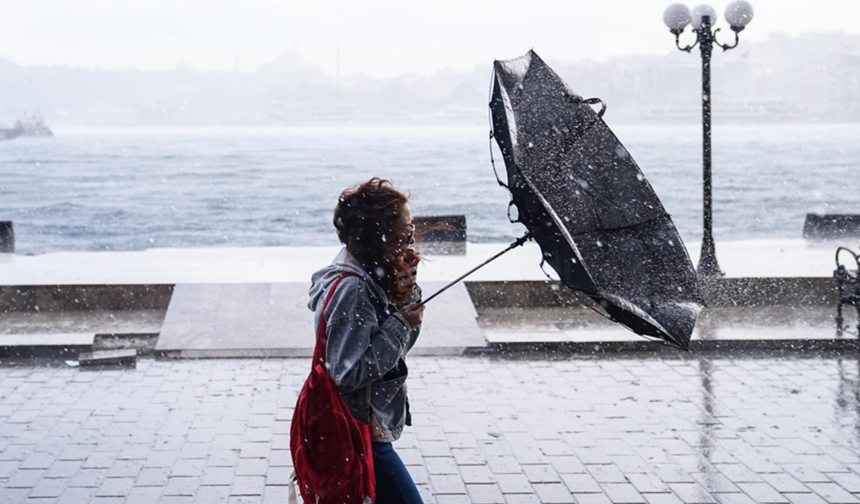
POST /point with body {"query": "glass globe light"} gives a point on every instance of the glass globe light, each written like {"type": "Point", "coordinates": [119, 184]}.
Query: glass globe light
{"type": "Point", "coordinates": [699, 12]}
{"type": "Point", "coordinates": [676, 17]}
{"type": "Point", "coordinates": [738, 14]}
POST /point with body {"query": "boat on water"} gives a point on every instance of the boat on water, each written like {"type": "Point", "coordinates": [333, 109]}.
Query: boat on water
{"type": "Point", "coordinates": [30, 125]}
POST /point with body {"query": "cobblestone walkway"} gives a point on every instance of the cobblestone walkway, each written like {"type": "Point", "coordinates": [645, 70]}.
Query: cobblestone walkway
{"type": "Point", "coordinates": [520, 430]}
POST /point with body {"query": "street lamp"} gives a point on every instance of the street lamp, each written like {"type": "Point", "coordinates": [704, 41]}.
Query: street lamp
{"type": "Point", "coordinates": [677, 17]}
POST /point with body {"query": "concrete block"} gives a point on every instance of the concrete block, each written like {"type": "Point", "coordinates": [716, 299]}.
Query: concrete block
{"type": "Point", "coordinates": [121, 357]}
{"type": "Point", "coordinates": [831, 226]}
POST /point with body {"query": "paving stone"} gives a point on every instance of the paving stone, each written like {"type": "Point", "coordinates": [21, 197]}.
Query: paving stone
{"type": "Point", "coordinates": [194, 451]}
{"type": "Point", "coordinates": [581, 483]}
{"type": "Point", "coordinates": [63, 469]}
{"type": "Point", "coordinates": [502, 465]}
{"type": "Point", "coordinates": [38, 460]}
{"type": "Point", "coordinates": [592, 498]}
{"type": "Point", "coordinates": [762, 492]}
{"type": "Point", "coordinates": [622, 493]}
{"type": "Point", "coordinates": [100, 460]}
{"type": "Point", "coordinates": [453, 499]}
{"type": "Point", "coordinates": [804, 498]}
{"type": "Point", "coordinates": [88, 478]}
{"type": "Point", "coordinates": [784, 482]}
{"type": "Point", "coordinates": [647, 483]}
{"type": "Point", "coordinates": [435, 449]}
{"type": "Point", "coordinates": [16, 452]}
{"type": "Point", "coordinates": [162, 459]}
{"type": "Point", "coordinates": [664, 498]}
{"type": "Point", "coordinates": [484, 493]}
{"type": "Point", "coordinates": [255, 450]}
{"type": "Point", "coordinates": [152, 476]}
{"type": "Point", "coordinates": [115, 487]}
{"type": "Point", "coordinates": [24, 478]}
{"type": "Point", "coordinates": [541, 473]}
{"type": "Point", "coordinates": [849, 481]}
{"type": "Point", "coordinates": [833, 493]}
{"type": "Point", "coordinates": [477, 474]}
{"type": "Point", "coordinates": [125, 468]}
{"type": "Point", "coordinates": [217, 476]}
{"type": "Point", "coordinates": [182, 485]}
{"type": "Point", "coordinates": [692, 493]}
{"type": "Point", "coordinates": [805, 474]}
{"type": "Point", "coordinates": [144, 495]}
{"type": "Point", "coordinates": [188, 467]}
{"type": "Point", "coordinates": [248, 486]}
{"type": "Point", "coordinates": [447, 484]}
{"type": "Point", "coordinates": [441, 465]}
{"type": "Point", "coordinates": [733, 498]}
{"type": "Point", "coordinates": [222, 458]}
{"type": "Point", "coordinates": [252, 467]}
{"type": "Point", "coordinates": [176, 499]}
{"type": "Point", "coordinates": [552, 493]}
{"type": "Point", "coordinates": [7, 468]}
{"type": "Point", "coordinates": [522, 499]}
{"type": "Point", "coordinates": [671, 473]}
{"type": "Point", "coordinates": [49, 487]}
{"type": "Point", "coordinates": [215, 495]}
{"type": "Point", "coordinates": [606, 473]}
{"type": "Point", "coordinates": [514, 484]}
{"type": "Point", "coordinates": [468, 456]}
{"type": "Point", "coordinates": [738, 473]}
{"type": "Point", "coordinates": [76, 495]}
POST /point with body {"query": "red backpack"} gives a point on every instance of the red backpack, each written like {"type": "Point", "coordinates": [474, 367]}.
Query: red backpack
{"type": "Point", "coordinates": [331, 449]}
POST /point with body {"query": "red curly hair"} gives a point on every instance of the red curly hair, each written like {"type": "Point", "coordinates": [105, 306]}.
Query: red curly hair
{"type": "Point", "coordinates": [368, 221]}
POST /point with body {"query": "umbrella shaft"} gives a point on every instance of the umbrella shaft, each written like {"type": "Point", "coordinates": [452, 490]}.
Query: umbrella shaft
{"type": "Point", "coordinates": [512, 246]}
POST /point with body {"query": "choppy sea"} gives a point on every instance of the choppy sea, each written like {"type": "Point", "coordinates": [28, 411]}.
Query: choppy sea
{"type": "Point", "coordinates": [135, 188]}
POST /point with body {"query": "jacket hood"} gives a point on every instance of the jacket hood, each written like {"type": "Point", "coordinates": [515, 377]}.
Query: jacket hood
{"type": "Point", "coordinates": [343, 263]}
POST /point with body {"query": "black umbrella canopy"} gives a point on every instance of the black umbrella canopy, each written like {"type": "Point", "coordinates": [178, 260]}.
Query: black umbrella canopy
{"type": "Point", "coordinates": [587, 204]}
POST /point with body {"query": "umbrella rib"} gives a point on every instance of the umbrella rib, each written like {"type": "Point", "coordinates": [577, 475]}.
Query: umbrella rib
{"type": "Point", "coordinates": [630, 226]}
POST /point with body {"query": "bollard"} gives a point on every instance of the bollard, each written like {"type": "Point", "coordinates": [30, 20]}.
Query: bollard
{"type": "Point", "coordinates": [7, 237]}
{"type": "Point", "coordinates": [831, 226]}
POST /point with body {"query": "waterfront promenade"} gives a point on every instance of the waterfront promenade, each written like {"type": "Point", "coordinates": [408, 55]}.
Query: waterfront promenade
{"type": "Point", "coordinates": [490, 426]}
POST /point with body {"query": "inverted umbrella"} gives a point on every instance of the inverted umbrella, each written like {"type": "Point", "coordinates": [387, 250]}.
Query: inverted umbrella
{"type": "Point", "coordinates": [587, 204]}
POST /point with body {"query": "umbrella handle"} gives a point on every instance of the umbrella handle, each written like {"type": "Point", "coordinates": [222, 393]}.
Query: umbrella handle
{"type": "Point", "coordinates": [519, 241]}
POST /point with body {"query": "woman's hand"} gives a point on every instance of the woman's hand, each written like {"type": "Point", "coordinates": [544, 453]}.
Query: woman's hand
{"type": "Point", "coordinates": [413, 313]}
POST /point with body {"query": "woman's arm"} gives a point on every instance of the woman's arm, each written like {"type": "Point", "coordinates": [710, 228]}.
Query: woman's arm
{"type": "Point", "coordinates": [360, 349]}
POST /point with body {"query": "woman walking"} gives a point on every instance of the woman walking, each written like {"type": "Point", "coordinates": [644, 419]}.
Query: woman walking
{"type": "Point", "coordinates": [372, 320]}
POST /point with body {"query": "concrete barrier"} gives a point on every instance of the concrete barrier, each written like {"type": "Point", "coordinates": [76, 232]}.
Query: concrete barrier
{"type": "Point", "coordinates": [717, 292]}
{"type": "Point", "coordinates": [7, 237]}
{"type": "Point", "coordinates": [57, 298]}
{"type": "Point", "coordinates": [831, 226]}
{"type": "Point", "coordinates": [484, 294]}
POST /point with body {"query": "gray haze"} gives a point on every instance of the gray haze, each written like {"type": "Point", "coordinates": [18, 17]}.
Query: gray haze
{"type": "Point", "coordinates": [809, 78]}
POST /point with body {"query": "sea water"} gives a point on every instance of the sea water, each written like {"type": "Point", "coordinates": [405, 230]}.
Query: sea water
{"type": "Point", "coordinates": [138, 188]}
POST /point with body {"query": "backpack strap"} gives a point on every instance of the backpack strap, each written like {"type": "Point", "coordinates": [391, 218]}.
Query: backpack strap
{"type": "Point", "coordinates": [319, 347]}
{"type": "Point", "coordinates": [320, 352]}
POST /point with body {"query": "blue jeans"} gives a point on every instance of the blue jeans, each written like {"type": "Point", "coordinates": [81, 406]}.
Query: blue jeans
{"type": "Point", "coordinates": [394, 485]}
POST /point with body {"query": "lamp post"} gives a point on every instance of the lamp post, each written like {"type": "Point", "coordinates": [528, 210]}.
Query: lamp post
{"type": "Point", "coordinates": [677, 17]}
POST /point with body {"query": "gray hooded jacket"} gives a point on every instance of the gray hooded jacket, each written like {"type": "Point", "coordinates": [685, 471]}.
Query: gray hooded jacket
{"type": "Point", "coordinates": [367, 342]}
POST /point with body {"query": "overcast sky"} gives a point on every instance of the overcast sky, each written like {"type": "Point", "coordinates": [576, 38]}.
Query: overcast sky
{"type": "Point", "coordinates": [381, 38]}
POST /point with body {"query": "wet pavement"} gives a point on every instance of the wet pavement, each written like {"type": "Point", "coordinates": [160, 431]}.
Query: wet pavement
{"type": "Point", "coordinates": [677, 427]}
{"type": "Point", "coordinates": [774, 422]}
